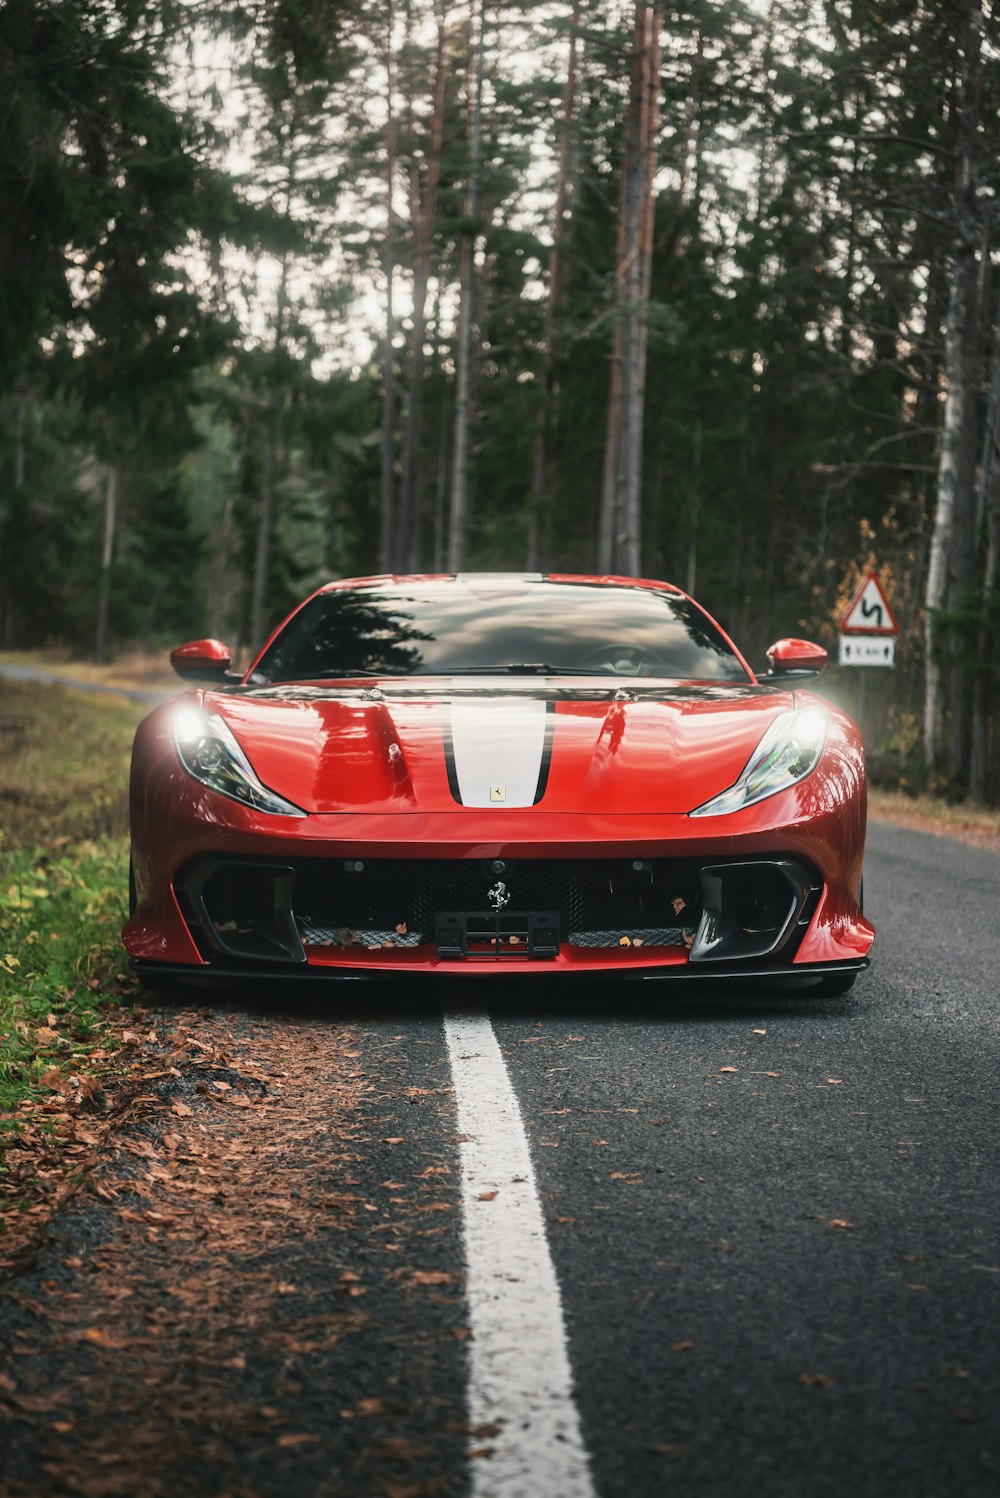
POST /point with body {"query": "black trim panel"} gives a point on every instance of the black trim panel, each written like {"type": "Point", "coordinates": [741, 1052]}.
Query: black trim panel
{"type": "Point", "coordinates": [313, 973]}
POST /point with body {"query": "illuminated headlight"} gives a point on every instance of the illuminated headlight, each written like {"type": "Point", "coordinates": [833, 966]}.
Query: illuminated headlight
{"type": "Point", "coordinates": [788, 752]}
{"type": "Point", "coordinates": [209, 753]}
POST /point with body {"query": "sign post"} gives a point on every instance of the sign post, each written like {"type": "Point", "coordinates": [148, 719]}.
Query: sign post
{"type": "Point", "coordinates": [868, 631]}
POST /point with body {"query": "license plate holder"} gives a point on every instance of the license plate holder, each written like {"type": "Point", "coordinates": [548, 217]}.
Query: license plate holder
{"type": "Point", "coordinates": [496, 936]}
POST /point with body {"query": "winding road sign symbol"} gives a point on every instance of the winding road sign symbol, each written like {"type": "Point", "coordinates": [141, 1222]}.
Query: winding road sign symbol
{"type": "Point", "coordinates": [868, 612]}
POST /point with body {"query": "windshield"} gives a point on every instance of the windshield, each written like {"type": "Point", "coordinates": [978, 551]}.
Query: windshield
{"type": "Point", "coordinates": [511, 625]}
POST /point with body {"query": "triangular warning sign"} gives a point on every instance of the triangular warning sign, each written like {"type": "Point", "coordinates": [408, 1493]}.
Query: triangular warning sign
{"type": "Point", "coordinates": [868, 612]}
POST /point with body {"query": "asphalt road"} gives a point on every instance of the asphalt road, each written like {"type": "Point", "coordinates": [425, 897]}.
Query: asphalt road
{"type": "Point", "coordinates": [718, 1307]}
{"type": "Point", "coordinates": [773, 1224]}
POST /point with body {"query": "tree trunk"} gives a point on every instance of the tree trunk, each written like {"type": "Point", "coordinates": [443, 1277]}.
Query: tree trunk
{"type": "Point", "coordinates": [387, 507]}
{"type": "Point", "coordinates": [458, 519]}
{"type": "Point", "coordinates": [262, 556]}
{"type": "Point", "coordinates": [960, 401]}
{"type": "Point", "coordinates": [424, 213]}
{"type": "Point", "coordinates": [621, 512]}
{"type": "Point", "coordinates": [107, 556]}
{"type": "Point", "coordinates": [962, 571]}
{"type": "Point", "coordinates": [218, 618]}
{"type": "Point", "coordinates": [540, 496]}
{"type": "Point", "coordinates": [980, 759]}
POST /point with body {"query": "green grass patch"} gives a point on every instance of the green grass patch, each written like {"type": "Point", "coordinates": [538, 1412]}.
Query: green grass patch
{"type": "Point", "coordinates": [59, 952]}
{"type": "Point", "coordinates": [63, 876]}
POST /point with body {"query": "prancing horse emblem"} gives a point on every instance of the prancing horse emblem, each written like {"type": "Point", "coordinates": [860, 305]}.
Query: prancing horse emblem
{"type": "Point", "coordinates": [498, 897]}
{"type": "Point", "coordinates": [498, 793]}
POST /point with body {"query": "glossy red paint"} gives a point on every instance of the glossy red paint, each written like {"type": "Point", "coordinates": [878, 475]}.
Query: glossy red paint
{"type": "Point", "coordinates": [788, 656]}
{"type": "Point", "coordinates": [202, 660]}
{"type": "Point", "coordinates": [367, 760]}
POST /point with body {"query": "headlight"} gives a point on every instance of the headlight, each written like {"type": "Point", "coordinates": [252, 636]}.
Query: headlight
{"type": "Point", "coordinates": [210, 754]}
{"type": "Point", "coordinates": [788, 752]}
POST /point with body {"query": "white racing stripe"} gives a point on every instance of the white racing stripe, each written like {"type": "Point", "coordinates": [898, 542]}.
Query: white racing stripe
{"type": "Point", "coordinates": [498, 748]}
{"type": "Point", "coordinates": [519, 1376]}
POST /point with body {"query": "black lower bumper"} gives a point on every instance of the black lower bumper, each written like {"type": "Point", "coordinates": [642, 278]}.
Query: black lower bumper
{"type": "Point", "coordinates": [680, 973]}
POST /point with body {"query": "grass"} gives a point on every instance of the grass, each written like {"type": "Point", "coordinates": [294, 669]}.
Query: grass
{"type": "Point", "coordinates": [942, 816]}
{"type": "Point", "coordinates": [133, 668]}
{"type": "Point", "coordinates": [63, 876]}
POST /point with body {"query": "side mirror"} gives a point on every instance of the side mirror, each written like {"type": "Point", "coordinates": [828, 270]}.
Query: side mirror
{"type": "Point", "coordinates": [796, 658]}
{"type": "Point", "coordinates": [202, 660]}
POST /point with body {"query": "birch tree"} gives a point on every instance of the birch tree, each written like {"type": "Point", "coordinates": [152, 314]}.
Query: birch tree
{"type": "Point", "coordinates": [959, 374]}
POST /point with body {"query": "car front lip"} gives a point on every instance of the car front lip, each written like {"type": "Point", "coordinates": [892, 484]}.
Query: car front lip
{"type": "Point", "coordinates": [635, 971]}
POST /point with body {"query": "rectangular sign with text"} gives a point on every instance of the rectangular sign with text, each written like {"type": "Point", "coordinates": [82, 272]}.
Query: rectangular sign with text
{"type": "Point", "coordinates": [867, 650]}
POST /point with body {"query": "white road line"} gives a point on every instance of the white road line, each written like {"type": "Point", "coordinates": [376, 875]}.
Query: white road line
{"type": "Point", "coordinates": [519, 1376]}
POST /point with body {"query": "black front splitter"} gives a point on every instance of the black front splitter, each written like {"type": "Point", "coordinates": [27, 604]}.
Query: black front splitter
{"type": "Point", "coordinates": [232, 972]}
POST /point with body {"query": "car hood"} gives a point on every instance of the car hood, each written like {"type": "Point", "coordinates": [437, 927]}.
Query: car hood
{"type": "Point", "coordinates": [433, 747]}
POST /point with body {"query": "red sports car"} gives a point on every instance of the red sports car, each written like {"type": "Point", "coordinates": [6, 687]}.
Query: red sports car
{"type": "Point", "coordinates": [499, 772]}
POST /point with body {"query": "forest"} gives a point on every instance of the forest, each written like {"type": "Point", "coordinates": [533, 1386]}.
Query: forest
{"type": "Point", "coordinates": [300, 289]}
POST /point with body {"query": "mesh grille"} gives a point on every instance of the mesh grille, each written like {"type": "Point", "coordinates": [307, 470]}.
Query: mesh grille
{"type": "Point", "coordinates": [598, 900]}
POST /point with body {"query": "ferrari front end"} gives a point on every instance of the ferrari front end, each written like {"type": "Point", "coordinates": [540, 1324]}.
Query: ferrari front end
{"type": "Point", "coordinates": [526, 817]}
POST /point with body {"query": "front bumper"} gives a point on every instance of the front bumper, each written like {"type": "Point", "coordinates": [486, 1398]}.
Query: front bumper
{"type": "Point", "coordinates": [821, 925]}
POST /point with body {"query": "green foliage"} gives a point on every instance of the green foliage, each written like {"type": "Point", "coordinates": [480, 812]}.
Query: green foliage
{"type": "Point", "coordinates": [215, 334]}
{"type": "Point", "coordinates": [59, 950]}
{"type": "Point", "coordinates": [63, 875]}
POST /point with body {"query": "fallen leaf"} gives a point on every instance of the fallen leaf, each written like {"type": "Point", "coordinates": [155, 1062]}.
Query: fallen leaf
{"type": "Point", "coordinates": [102, 1338]}
{"type": "Point", "coordinates": [297, 1438]}
{"type": "Point", "coordinates": [431, 1277]}
{"type": "Point", "coordinates": [834, 1082]}
{"type": "Point", "coordinates": [683, 1346]}
{"type": "Point", "coordinates": [838, 1222]}
{"type": "Point", "coordinates": [394, 1141]}
{"type": "Point", "coordinates": [728, 1068]}
{"type": "Point", "coordinates": [487, 1196]}
{"type": "Point", "coordinates": [181, 1109]}
{"type": "Point", "coordinates": [817, 1381]}
{"type": "Point", "coordinates": [371, 1406]}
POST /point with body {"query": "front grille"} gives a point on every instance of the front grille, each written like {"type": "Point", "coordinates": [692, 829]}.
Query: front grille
{"type": "Point", "coordinates": [598, 901]}
{"type": "Point", "coordinates": [716, 911]}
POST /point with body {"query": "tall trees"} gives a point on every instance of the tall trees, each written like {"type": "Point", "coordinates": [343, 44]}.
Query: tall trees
{"type": "Point", "coordinates": [464, 353]}
{"type": "Point", "coordinates": [620, 545]}
{"type": "Point", "coordinates": [496, 283]}
{"type": "Point", "coordinates": [948, 572]}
